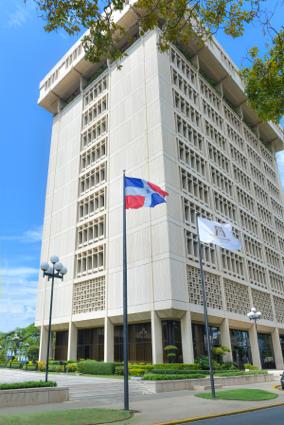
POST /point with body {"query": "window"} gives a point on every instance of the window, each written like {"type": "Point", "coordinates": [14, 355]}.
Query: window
{"type": "Point", "coordinates": [208, 251]}
{"type": "Point", "coordinates": [222, 182]}
{"type": "Point", "coordinates": [210, 95]}
{"type": "Point", "coordinates": [185, 130]}
{"type": "Point", "coordinates": [245, 200]}
{"type": "Point", "coordinates": [224, 207]}
{"type": "Point", "coordinates": [253, 247]}
{"type": "Point", "coordinates": [90, 261]}
{"type": "Point", "coordinates": [91, 232]}
{"type": "Point", "coordinates": [171, 332]}
{"type": "Point", "coordinates": [232, 263]}
{"type": "Point", "coordinates": [194, 186]}
{"type": "Point", "coordinates": [218, 158]}
{"type": "Point", "coordinates": [187, 109]}
{"type": "Point", "coordinates": [93, 92]}
{"type": "Point", "coordinates": [89, 296]}
{"type": "Point", "coordinates": [253, 155]}
{"type": "Point", "coordinates": [92, 204]}
{"type": "Point", "coordinates": [92, 113]}
{"type": "Point", "coordinates": [212, 114]}
{"type": "Point", "coordinates": [91, 344]}
{"type": "Point", "coordinates": [191, 210]}
{"type": "Point", "coordinates": [190, 158]}
{"type": "Point", "coordinates": [183, 66]}
{"type": "Point", "coordinates": [92, 179]}
{"type": "Point", "coordinates": [235, 138]}
{"type": "Point", "coordinates": [238, 157]}
{"type": "Point", "coordinates": [187, 90]}
{"type": "Point", "coordinates": [272, 258]}
{"type": "Point", "coordinates": [249, 223]}
{"type": "Point", "coordinates": [96, 153]}
{"type": "Point", "coordinates": [233, 118]}
{"type": "Point", "coordinates": [242, 178]}
{"type": "Point", "coordinates": [257, 275]}
{"type": "Point", "coordinates": [215, 136]}
{"type": "Point", "coordinates": [98, 129]}
{"type": "Point", "coordinates": [139, 343]}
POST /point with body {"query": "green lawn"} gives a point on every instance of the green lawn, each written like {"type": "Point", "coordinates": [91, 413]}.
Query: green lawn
{"type": "Point", "coordinates": [241, 394]}
{"type": "Point", "coordinates": [67, 417]}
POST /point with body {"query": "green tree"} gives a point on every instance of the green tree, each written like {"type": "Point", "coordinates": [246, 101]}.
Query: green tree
{"type": "Point", "coordinates": [180, 21]}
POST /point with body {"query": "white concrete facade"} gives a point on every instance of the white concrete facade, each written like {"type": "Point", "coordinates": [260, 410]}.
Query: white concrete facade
{"type": "Point", "coordinates": [160, 119]}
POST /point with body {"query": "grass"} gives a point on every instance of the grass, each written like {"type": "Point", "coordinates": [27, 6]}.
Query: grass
{"type": "Point", "coordinates": [67, 417]}
{"type": "Point", "coordinates": [240, 394]}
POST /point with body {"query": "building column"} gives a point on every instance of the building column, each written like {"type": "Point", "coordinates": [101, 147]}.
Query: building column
{"type": "Point", "coordinates": [277, 349]}
{"type": "Point", "coordinates": [226, 340]}
{"type": "Point", "coordinates": [108, 341]}
{"type": "Point", "coordinates": [186, 338]}
{"type": "Point", "coordinates": [43, 343]}
{"type": "Point", "coordinates": [254, 346]}
{"type": "Point", "coordinates": [157, 339]}
{"type": "Point", "coordinates": [72, 342]}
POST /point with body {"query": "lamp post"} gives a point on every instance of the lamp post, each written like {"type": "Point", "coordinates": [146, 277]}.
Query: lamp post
{"type": "Point", "coordinates": [17, 341]}
{"type": "Point", "coordinates": [255, 316]}
{"type": "Point", "coordinates": [52, 271]}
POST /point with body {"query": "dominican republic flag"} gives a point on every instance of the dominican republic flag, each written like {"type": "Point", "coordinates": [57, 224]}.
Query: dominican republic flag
{"type": "Point", "coordinates": [140, 193]}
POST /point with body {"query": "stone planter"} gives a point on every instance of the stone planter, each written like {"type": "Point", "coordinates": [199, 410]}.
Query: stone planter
{"type": "Point", "coordinates": [32, 396]}
{"type": "Point", "coordinates": [191, 384]}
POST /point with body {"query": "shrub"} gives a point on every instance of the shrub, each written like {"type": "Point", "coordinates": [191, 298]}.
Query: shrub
{"type": "Point", "coordinates": [28, 384]}
{"type": "Point", "coordinates": [95, 368]}
{"type": "Point", "coordinates": [179, 372]}
{"type": "Point", "coordinates": [119, 370]}
{"type": "Point", "coordinates": [41, 365]}
{"type": "Point", "coordinates": [250, 366]}
{"type": "Point", "coordinates": [71, 367]}
{"type": "Point", "coordinates": [136, 371]}
{"type": "Point", "coordinates": [176, 366]}
{"type": "Point", "coordinates": [161, 377]}
{"type": "Point", "coordinates": [241, 373]}
{"type": "Point", "coordinates": [15, 365]}
{"type": "Point", "coordinates": [228, 366]}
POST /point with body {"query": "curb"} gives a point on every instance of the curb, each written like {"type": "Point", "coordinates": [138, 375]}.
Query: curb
{"type": "Point", "coordinates": [221, 414]}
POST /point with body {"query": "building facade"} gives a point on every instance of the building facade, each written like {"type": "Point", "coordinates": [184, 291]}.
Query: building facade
{"type": "Point", "coordinates": [180, 120]}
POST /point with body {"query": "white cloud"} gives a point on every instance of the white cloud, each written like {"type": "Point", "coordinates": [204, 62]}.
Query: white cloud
{"type": "Point", "coordinates": [18, 287]}
{"type": "Point", "coordinates": [19, 13]}
{"type": "Point", "coordinates": [28, 236]}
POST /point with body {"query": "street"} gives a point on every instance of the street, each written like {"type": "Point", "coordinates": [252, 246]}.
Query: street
{"type": "Point", "coordinates": [274, 416]}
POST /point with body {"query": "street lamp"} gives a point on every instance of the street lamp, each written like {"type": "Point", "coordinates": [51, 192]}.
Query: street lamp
{"type": "Point", "coordinates": [255, 316]}
{"type": "Point", "coordinates": [52, 271]}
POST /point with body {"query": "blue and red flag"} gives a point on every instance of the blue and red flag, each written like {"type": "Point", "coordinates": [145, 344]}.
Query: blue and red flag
{"type": "Point", "coordinates": [140, 193]}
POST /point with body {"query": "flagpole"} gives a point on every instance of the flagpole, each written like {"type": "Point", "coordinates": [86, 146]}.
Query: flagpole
{"type": "Point", "coordinates": [209, 348]}
{"type": "Point", "coordinates": [125, 313]}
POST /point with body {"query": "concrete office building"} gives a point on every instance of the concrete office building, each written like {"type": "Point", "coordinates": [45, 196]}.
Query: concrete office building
{"type": "Point", "coordinates": [180, 120]}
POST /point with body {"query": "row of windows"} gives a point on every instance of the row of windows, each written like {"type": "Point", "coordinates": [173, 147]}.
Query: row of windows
{"type": "Point", "coordinates": [245, 200]}
{"type": "Point", "coordinates": [189, 133]}
{"type": "Point", "coordinates": [253, 247]}
{"type": "Point", "coordinates": [218, 158]}
{"type": "Point", "coordinates": [92, 93]}
{"type": "Point", "coordinates": [269, 236]}
{"type": "Point", "coordinates": [241, 178]}
{"type": "Point", "coordinates": [92, 204]}
{"type": "Point", "coordinates": [183, 67]}
{"type": "Point", "coordinates": [257, 274]}
{"type": "Point", "coordinates": [188, 91]}
{"type": "Point", "coordinates": [232, 118]}
{"type": "Point", "coordinates": [235, 137]}
{"type": "Point", "coordinates": [232, 263]}
{"type": "Point", "coordinates": [224, 207]}
{"type": "Point", "coordinates": [98, 108]}
{"type": "Point", "coordinates": [98, 129]}
{"type": "Point", "coordinates": [191, 210]}
{"type": "Point", "coordinates": [212, 114]}
{"type": "Point", "coordinates": [222, 182]}
{"type": "Point", "coordinates": [238, 157]}
{"type": "Point", "coordinates": [248, 222]}
{"type": "Point", "coordinates": [90, 261]}
{"type": "Point", "coordinates": [91, 232]}
{"type": "Point", "coordinates": [191, 158]}
{"type": "Point", "coordinates": [195, 187]}
{"type": "Point", "coordinates": [215, 136]}
{"type": "Point", "coordinates": [93, 154]}
{"type": "Point", "coordinates": [272, 258]}
{"type": "Point", "coordinates": [92, 179]}
{"type": "Point", "coordinates": [186, 109]}
{"type": "Point", "coordinates": [208, 251]}
{"type": "Point", "coordinates": [260, 193]}
{"type": "Point", "coordinates": [208, 93]}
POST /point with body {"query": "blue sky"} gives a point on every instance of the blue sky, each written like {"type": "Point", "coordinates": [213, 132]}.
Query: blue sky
{"type": "Point", "coordinates": [28, 53]}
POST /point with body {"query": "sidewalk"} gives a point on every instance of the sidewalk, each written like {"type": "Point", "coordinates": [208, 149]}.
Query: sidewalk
{"type": "Point", "coordinates": [163, 407]}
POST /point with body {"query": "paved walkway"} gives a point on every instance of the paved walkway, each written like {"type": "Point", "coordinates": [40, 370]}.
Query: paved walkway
{"type": "Point", "coordinates": [151, 408]}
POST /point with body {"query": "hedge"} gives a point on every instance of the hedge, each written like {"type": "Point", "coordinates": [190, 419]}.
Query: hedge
{"type": "Point", "coordinates": [28, 384]}
{"type": "Point", "coordinates": [177, 366]}
{"type": "Point", "coordinates": [161, 377]}
{"type": "Point", "coordinates": [241, 373]}
{"type": "Point", "coordinates": [95, 368]}
{"type": "Point", "coordinates": [179, 372]}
